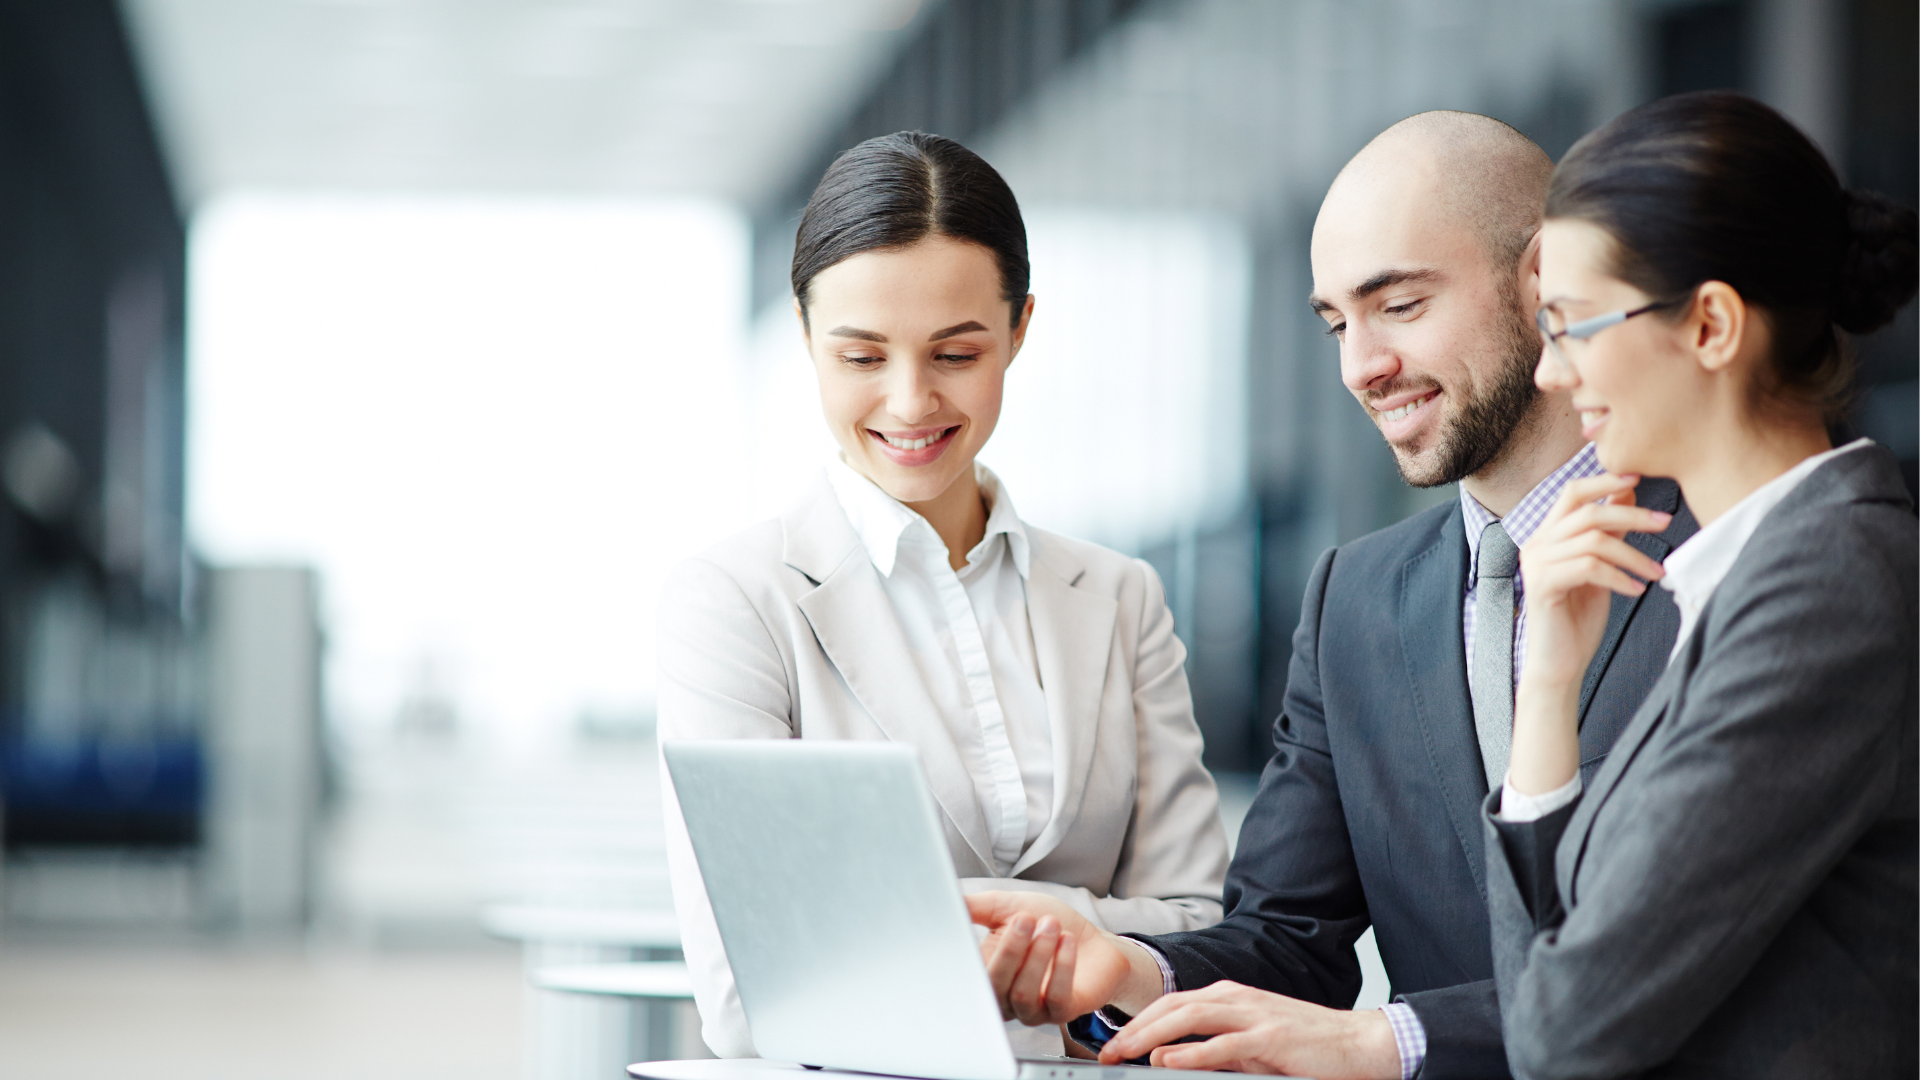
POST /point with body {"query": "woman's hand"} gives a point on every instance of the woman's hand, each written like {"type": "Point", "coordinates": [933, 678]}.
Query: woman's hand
{"type": "Point", "coordinates": [1048, 964]}
{"type": "Point", "coordinates": [1572, 567]}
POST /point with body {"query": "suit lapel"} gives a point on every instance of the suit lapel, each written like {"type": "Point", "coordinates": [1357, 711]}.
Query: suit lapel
{"type": "Point", "coordinates": [1073, 641]}
{"type": "Point", "coordinates": [858, 630]}
{"type": "Point", "coordinates": [1431, 584]}
{"type": "Point", "coordinates": [1652, 711]}
{"type": "Point", "coordinates": [1663, 495]}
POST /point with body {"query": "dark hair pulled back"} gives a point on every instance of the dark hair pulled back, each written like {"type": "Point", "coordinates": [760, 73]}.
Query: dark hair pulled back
{"type": "Point", "coordinates": [1715, 186]}
{"type": "Point", "coordinates": [896, 190]}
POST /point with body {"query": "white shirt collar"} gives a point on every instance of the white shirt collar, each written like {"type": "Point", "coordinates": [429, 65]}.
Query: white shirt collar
{"type": "Point", "coordinates": [883, 523]}
{"type": "Point", "coordinates": [1702, 561]}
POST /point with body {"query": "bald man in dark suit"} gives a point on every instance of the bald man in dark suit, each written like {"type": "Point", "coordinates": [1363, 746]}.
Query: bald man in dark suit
{"type": "Point", "coordinates": [1399, 702]}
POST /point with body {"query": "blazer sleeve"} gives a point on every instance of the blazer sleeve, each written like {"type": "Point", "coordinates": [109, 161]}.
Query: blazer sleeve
{"type": "Point", "coordinates": [1174, 856]}
{"type": "Point", "coordinates": [1295, 905]}
{"type": "Point", "coordinates": [1779, 750]}
{"type": "Point", "coordinates": [721, 676]}
{"type": "Point", "coordinates": [1293, 896]}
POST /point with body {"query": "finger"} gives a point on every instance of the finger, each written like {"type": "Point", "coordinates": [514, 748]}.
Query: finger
{"type": "Point", "coordinates": [1616, 518]}
{"type": "Point", "coordinates": [1008, 956]}
{"type": "Point", "coordinates": [1059, 997]}
{"type": "Point", "coordinates": [1585, 570]}
{"type": "Point", "coordinates": [1225, 989]}
{"type": "Point", "coordinates": [1608, 517]}
{"type": "Point", "coordinates": [984, 908]}
{"type": "Point", "coordinates": [1026, 995]}
{"type": "Point", "coordinates": [995, 909]}
{"type": "Point", "coordinates": [1589, 489]}
{"type": "Point", "coordinates": [1188, 1018]}
{"type": "Point", "coordinates": [1612, 549]}
{"type": "Point", "coordinates": [1624, 497]}
{"type": "Point", "coordinates": [1541, 565]}
{"type": "Point", "coordinates": [1224, 1051]}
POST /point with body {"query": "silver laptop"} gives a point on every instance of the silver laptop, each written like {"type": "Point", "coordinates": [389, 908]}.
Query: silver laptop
{"type": "Point", "coordinates": [830, 880]}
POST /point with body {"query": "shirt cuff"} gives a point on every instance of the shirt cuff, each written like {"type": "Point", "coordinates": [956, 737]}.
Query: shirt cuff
{"type": "Point", "coordinates": [1168, 984]}
{"type": "Point", "coordinates": [1516, 807]}
{"type": "Point", "coordinates": [1409, 1036]}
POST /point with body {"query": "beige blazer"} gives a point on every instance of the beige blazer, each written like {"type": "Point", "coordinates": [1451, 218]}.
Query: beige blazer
{"type": "Point", "coordinates": [784, 631]}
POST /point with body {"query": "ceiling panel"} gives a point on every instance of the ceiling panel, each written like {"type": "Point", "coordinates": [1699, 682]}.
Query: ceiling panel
{"type": "Point", "coordinates": [718, 98]}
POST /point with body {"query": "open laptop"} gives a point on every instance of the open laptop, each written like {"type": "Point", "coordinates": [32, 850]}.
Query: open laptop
{"type": "Point", "coordinates": [851, 947]}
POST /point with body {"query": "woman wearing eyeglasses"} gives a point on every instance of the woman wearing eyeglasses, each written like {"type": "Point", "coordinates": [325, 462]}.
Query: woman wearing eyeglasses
{"type": "Point", "coordinates": [1735, 892]}
{"type": "Point", "coordinates": [902, 598]}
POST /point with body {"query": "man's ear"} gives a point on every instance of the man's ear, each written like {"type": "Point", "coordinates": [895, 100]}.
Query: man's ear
{"type": "Point", "coordinates": [1530, 277]}
{"type": "Point", "coordinates": [1020, 327]}
{"type": "Point", "coordinates": [1719, 325]}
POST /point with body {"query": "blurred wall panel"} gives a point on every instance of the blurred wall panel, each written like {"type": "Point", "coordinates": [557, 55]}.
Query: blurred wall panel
{"type": "Point", "coordinates": [1882, 139]}
{"type": "Point", "coordinates": [96, 685]}
{"type": "Point", "coordinates": [966, 65]}
{"type": "Point", "coordinates": [263, 714]}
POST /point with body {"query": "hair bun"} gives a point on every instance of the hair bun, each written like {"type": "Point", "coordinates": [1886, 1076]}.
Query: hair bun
{"type": "Point", "coordinates": [1879, 273]}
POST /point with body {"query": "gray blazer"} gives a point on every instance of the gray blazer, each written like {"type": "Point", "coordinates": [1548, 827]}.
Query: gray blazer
{"type": "Point", "coordinates": [1735, 892]}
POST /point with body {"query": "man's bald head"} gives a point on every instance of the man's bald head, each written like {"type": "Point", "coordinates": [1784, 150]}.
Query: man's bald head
{"type": "Point", "coordinates": [1471, 168]}
{"type": "Point", "coordinates": [1420, 269]}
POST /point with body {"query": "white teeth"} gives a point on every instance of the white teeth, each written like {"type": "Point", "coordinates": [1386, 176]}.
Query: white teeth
{"type": "Point", "coordinates": [1405, 410]}
{"type": "Point", "coordinates": [911, 444]}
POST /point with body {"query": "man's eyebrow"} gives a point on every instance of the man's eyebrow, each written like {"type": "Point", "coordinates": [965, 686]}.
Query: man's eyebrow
{"type": "Point", "coordinates": [967, 327]}
{"type": "Point", "coordinates": [1386, 279]}
{"type": "Point", "coordinates": [857, 333]}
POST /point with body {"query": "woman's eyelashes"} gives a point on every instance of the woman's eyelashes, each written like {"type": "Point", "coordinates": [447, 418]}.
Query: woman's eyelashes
{"type": "Point", "coordinates": [870, 360]}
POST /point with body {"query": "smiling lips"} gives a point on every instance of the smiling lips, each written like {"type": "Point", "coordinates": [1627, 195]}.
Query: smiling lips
{"type": "Point", "coordinates": [915, 447]}
{"type": "Point", "coordinates": [911, 444]}
{"type": "Point", "coordinates": [1407, 410]}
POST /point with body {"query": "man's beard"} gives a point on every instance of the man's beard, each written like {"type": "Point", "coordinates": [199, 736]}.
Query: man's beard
{"type": "Point", "coordinates": [1486, 419]}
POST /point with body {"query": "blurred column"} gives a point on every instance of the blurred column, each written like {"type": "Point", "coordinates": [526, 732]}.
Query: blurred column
{"type": "Point", "coordinates": [1798, 53]}
{"type": "Point", "coordinates": [264, 746]}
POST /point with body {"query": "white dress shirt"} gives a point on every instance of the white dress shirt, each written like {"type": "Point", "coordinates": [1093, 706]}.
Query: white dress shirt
{"type": "Point", "coordinates": [969, 634]}
{"type": "Point", "coordinates": [1694, 570]}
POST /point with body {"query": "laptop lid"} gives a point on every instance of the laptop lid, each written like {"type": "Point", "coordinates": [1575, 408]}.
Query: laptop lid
{"type": "Point", "coordinates": [836, 900]}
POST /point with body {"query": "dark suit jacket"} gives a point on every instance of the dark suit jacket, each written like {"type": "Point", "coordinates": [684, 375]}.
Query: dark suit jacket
{"type": "Point", "coordinates": [1369, 811]}
{"type": "Point", "coordinates": [1740, 879]}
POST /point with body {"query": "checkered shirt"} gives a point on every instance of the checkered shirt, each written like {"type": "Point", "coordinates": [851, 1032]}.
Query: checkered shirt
{"type": "Point", "coordinates": [1521, 523]}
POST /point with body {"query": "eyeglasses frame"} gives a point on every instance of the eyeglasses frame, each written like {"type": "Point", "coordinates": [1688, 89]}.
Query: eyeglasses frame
{"type": "Point", "coordinates": [1586, 328]}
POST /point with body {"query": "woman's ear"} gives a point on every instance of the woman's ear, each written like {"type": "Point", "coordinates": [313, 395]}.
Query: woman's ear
{"type": "Point", "coordinates": [806, 332]}
{"type": "Point", "coordinates": [1020, 327]}
{"type": "Point", "coordinates": [1719, 326]}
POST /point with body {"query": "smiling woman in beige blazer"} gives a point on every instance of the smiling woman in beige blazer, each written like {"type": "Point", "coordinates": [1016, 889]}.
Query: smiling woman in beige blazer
{"type": "Point", "coordinates": [902, 598]}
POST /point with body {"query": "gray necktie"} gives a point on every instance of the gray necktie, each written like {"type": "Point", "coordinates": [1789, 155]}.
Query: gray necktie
{"type": "Point", "coordinates": [1491, 672]}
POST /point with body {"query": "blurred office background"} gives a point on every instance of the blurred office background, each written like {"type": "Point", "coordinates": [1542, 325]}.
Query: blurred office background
{"type": "Point", "coordinates": [366, 364]}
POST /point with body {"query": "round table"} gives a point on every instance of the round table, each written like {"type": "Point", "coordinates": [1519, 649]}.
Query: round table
{"type": "Point", "coordinates": [719, 1069]}
{"type": "Point", "coordinates": [654, 979]}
